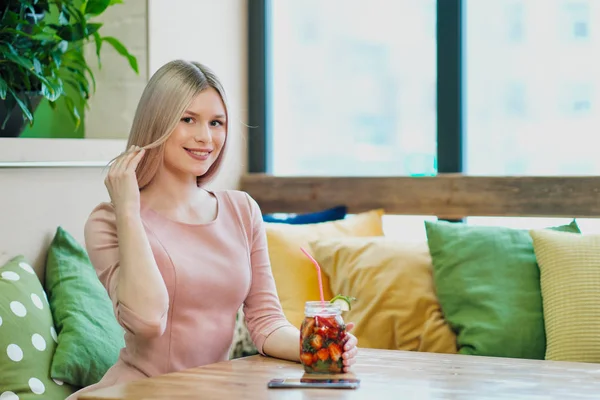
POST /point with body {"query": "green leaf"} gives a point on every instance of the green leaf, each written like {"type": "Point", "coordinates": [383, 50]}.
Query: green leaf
{"type": "Point", "coordinates": [25, 83]}
{"type": "Point", "coordinates": [32, 14]}
{"type": "Point", "coordinates": [52, 89]}
{"type": "Point", "coordinates": [16, 33]}
{"type": "Point", "coordinates": [306, 346]}
{"type": "Point", "coordinates": [9, 104]}
{"type": "Point", "coordinates": [3, 88]}
{"type": "Point", "coordinates": [92, 28]}
{"type": "Point", "coordinates": [65, 32]}
{"type": "Point", "coordinates": [75, 13]}
{"type": "Point", "coordinates": [26, 112]}
{"type": "Point", "coordinates": [98, 41]}
{"type": "Point", "coordinates": [37, 66]}
{"type": "Point", "coordinates": [63, 17]}
{"type": "Point", "coordinates": [77, 87]}
{"type": "Point", "coordinates": [56, 58]}
{"type": "Point", "coordinates": [13, 55]}
{"type": "Point", "coordinates": [44, 36]}
{"type": "Point", "coordinates": [71, 33]}
{"type": "Point", "coordinates": [96, 7]}
{"type": "Point", "coordinates": [73, 111]}
{"type": "Point", "coordinates": [113, 2]}
{"type": "Point", "coordinates": [29, 107]}
{"type": "Point", "coordinates": [120, 48]}
{"type": "Point", "coordinates": [11, 18]}
{"type": "Point", "coordinates": [77, 31]}
{"type": "Point", "coordinates": [321, 365]}
{"type": "Point", "coordinates": [42, 5]}
{"type": "Point", "coordinates": [63, 46]}
{"type": "Point", "coordinates": [91, 74]}
{"type": "Point", "coordinates": [78, 61]}
{"type": "Point", "coordinates": [81, 81]}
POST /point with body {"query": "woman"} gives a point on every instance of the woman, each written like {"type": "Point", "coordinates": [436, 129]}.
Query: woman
{"type": "Point", "coordinates": [177, 259]}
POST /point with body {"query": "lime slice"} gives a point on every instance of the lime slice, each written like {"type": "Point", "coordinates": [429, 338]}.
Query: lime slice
{"type": "Point", "coordinates": [343, 302]}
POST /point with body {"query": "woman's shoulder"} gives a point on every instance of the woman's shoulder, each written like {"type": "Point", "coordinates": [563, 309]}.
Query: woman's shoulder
{"type": "Point", "coordinates": [241, 201]}
{"type": "Point", "coordinates": [101, 215]}
{"type": "Point", "coordinates": [103, 209]}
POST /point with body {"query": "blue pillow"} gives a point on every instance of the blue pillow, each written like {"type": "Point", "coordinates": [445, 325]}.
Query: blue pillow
{"type": "Point", "coordinates": [331, 214]}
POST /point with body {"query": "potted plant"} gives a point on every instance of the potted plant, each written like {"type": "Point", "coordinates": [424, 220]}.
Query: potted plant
{"type": "Point", "coordinates": [41, 52]}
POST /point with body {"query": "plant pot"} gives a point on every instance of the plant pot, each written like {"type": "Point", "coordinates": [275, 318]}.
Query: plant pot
{"type": "Point", "coordinates": [16, 122]}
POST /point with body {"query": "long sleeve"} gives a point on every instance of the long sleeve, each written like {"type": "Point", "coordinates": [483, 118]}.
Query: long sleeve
{"type": "Point", "coordinates": [262, 308]}
{"type": "Point", "coordinates": [103, 249]}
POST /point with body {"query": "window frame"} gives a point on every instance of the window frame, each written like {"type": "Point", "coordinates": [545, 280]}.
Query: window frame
{"type": "Point", "coordinates": [449, 87]}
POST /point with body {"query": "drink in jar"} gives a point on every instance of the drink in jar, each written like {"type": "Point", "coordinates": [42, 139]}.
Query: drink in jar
{"type": "Point", "coordinates": [322, 338]}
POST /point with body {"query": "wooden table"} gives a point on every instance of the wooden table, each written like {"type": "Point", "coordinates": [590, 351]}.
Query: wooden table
{"type": "Point", "coordinates": [384, 375]}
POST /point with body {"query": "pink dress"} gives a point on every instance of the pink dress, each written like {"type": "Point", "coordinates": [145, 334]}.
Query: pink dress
{"type": "Point", "coordinates": [210, 270]}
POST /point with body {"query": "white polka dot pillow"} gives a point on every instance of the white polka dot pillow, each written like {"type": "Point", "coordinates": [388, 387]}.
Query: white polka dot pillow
{"type": "Point", "coordinates": [27, 337]}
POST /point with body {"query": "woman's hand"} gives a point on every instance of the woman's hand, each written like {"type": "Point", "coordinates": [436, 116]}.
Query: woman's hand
{"type": "Point", "coordinates": [121, 182]}
{"type": "Point", "coordinates": [350, 349]}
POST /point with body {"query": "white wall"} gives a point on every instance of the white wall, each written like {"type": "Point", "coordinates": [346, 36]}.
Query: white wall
{"type": "Point", "coordinates": [118, 87]}
{"type": "Point", "coordinates": [212, 32]}
{"type": "Point", "coordinates": [35, 201]}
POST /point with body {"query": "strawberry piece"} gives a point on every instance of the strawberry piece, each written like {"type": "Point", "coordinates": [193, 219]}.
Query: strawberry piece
{"type": "Point", "coordinates": [307, 326]}
{"type": "Point", "coordinates": [316, 342]}
{"type": "Point", "coordinates": [307, 359]}
{"type": "Point", "coordinates": [332, 333]}
{"type": "Point", "coordinates": [323, 354]}
{"type": "Point", "coordinates": [335, 351]}
{"type": "Point", "coordinates": [325, 322]}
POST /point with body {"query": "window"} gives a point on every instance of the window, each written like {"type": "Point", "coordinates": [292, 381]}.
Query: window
{"type": "Point", "coordinates": [516, 103]}
{"type": "Point", "coordinates": [576, 16]}
{"type": "Point", "coordinates": [352, 87]}
{"type": "Point", "coordinates": [413, 87]}
{"type": "Point", "coordinates": [529, 106]}
{"type": "Point", "coordinates": [515, 21]}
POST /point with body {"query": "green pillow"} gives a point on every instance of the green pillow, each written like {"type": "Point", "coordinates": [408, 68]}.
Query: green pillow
{"type": "Point", "coordinates": [27, 337]}
{"type": "Point", "coordinates": [89, 336]}
{"type": "Point", "coordinates": [488, 284]}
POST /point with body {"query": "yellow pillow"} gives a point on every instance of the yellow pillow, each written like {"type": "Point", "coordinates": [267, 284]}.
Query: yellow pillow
{"type": "Point", "coordinates": [570, 282]}
{"type": "Point", "coordinates": [396, 306]}
{"type": "Point", "coordinates": [295, 276]}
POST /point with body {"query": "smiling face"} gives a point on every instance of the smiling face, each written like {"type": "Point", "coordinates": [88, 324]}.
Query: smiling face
{"type": "Point", "coordinates": [197, 140]}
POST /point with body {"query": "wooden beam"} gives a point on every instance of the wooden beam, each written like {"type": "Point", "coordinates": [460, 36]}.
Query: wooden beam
{"type": "Point", "coordinates": [451, 196]}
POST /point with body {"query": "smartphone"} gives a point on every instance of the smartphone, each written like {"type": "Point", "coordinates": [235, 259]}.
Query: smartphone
{"type": "Point", "coordinates": [288, 383]}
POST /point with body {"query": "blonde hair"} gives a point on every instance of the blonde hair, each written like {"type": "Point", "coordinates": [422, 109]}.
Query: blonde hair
{"type": "Point", "coordinates": [164, 100]}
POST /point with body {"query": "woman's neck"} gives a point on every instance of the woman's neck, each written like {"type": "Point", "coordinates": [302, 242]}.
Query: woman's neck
{"type": "Point", "coordinates": [167, 192]}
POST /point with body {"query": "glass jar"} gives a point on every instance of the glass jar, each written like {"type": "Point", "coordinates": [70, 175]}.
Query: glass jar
{"type": "Point", "coordinates": [322, 338]}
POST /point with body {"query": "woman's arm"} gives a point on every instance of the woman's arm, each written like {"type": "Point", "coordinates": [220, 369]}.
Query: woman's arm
{"type": "Point", "coordinates": [120, 252]}
{"type": "Point", "coordinates": [141, 287]}
{"type": "Point", "coordinates": [271, 332]}
{"type": "Point", "coordinates": [284, 343]}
